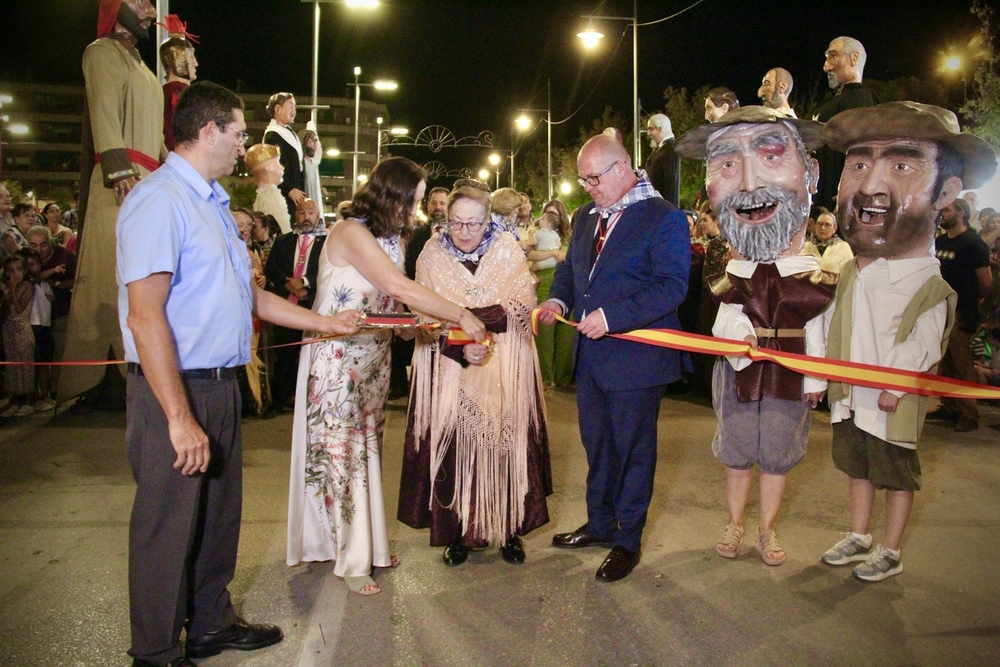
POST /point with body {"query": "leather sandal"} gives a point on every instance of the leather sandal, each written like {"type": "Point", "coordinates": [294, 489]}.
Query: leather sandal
{"type": "Point", "coordinates": [768, 548]}
{"type": "Point", "coordinates": [732, 540]}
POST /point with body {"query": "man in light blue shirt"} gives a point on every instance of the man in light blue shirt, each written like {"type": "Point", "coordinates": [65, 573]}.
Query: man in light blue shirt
{"type": "Point", "coordinates": [185, 304]}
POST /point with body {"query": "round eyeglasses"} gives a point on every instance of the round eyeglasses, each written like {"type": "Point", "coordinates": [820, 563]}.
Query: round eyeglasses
{"type": "Point", "coordinates": [455, 225]}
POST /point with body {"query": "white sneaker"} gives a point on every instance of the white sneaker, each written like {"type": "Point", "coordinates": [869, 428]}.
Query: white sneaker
{"type": "Point", "coordinates": [880, 565]}
{"type": "Point", "coordinates": [24, 411]}
{"type": "Point", "coordinates": [9, 410]}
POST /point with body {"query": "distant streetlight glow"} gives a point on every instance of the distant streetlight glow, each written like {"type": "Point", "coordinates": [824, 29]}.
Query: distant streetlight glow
{"type": "Point", "coordinates": [494, 159]}
{"type": "Point", "coordinates": [332, 152]}
{"type": "Point", "coordinates": [953, 63]}
{"type": "Point", "coordinates": [484, 175]}
{"type": "Point", "coordinates": [5, 99]}
{"type": "Point", "coordinates": [366, 4]}
{"type": "Point", "coordinates": [590, 37]}
{"type": "Point", "coordinates": [523, 122]}
{"type": "Point", "coordinates": [565, 188]}
{"type": "Point", "coordinates": [399, 131]}
{"type": "Point", "coordinates": [386, 85]}
{"type": "Point", "coordinates": [19, 128]}
{"type": "Point", "coordinates": [362, 178]}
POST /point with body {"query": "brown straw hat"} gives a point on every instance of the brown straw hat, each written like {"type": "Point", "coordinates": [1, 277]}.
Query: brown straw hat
{"type": "Point", "coordinates": [258, 154]}
{"type": "Point", "coordinates": [912, 120]}
{"type": "Point", "coordinates": [694, 142]}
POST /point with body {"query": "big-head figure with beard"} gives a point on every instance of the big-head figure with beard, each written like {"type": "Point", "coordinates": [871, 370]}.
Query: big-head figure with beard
{"type": "Point", "coordinates": [905, 163]}
{"type": "Point", "coordinates": [760, 180]}
{"type": "Point", "coordinates": [123, 133]}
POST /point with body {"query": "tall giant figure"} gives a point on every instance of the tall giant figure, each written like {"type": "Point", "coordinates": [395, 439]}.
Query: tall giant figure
{"type": "Point", "coordinates": [123, 123]}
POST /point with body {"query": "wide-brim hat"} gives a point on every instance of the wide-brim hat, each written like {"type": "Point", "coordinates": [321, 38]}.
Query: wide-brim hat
{"type": "Point", "coordinates": [258, 154]}
{"type": "Point", "coordinates": [912, 120]}
{"type": "Point", "coordinates": [694, 143]}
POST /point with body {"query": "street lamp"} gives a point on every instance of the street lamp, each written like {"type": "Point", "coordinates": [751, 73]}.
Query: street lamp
{"type": "Point", "coordinates": [494, 160]}
{"type": "Point", "coordinates": [315, 106]}
{"type": "Point", "coordinates": [378, 142]}
{"type": "Point", "coordinates": [565, 188]}
{"type": "Point", "coordinates": [484, 175]}
{"type": "Point", "coordinates": [523, 123]}
{"type": "Point", "coordinates": [377, 85]}
{"type": "Point", "coordinates": [590, 39]}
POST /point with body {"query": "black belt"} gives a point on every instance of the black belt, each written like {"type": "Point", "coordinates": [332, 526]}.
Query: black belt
{"type": "Point", "coordinates": [194, 373]}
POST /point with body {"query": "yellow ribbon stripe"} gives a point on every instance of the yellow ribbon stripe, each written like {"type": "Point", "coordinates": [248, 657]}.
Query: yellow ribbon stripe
{"type": "Point", "coordinates": [864, 375]}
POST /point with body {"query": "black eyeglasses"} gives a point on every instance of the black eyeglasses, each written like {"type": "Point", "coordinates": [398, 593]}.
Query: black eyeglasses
{"type": "Point", "coordinates": [455, 225]}
{"type": "Point", "coordinates": [240, 135]}
{"type": "Point", "coordinates": [594, 181]}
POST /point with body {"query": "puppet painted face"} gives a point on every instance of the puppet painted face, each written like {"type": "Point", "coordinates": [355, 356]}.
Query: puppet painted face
{"type": "Point", "coordinates": [136, 16]}
{"type": "Point", "coordinates": [886, 201]}
{"type": "Point", "coordinates": [760, 181]}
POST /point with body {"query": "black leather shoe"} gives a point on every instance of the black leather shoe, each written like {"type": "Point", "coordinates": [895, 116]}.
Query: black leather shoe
{"type": "Point", "coordinates": [455, 553]}
{"type": "Point", "coordinates": [579, 538]}
{"type": "Point", "coordinates": [619, 563]}
{"type": "Point", "coordinates": [240, 636]}
{"type": "Point", "coordinates": [179, 662]}
{"type": "Point", "coordinates": [942, 415]}
{"type": "Point", "coordinates": [513, 550]}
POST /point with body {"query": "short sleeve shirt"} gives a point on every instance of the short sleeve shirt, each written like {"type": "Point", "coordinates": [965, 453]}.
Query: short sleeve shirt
{"type": "Point", "coordinates": [175, 222]}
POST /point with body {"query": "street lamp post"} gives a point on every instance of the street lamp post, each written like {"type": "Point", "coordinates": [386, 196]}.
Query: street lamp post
{"type": "Point", "coordinates": [590, 39]}
{"type": "Point", "coordinates": [315, 106]}
{"type": "Point", "coordinates": [494, 160]}
{"type": "Point", "coordinates": [523, 122]}
{"type": "Point", "coordinates": [378, 141]}
{"type": "Point", "coordinates": [377, 85]}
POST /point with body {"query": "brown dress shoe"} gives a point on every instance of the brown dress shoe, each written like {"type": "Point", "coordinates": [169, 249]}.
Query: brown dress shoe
{"type": "Point", "coordinates": [579, 538]}
{"type": "Point", "coordinates": [619, 563]}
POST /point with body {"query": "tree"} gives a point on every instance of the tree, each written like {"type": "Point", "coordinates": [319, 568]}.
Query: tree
{"type": "Point", "coordinates": [685, 112]}
{"type": "Point", "coordinates": [982, 108]}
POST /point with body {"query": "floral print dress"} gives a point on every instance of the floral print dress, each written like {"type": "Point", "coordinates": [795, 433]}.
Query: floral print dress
{"type": "Point", "coordinates": [335, 507]}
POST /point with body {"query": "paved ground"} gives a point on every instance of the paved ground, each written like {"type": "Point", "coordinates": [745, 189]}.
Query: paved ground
{"type": "Point", "coordinates": [66, 493]}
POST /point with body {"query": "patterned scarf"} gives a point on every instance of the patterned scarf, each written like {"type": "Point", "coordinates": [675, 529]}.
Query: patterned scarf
{"type": "Point", "coordinates": [488, 237]}
{"type": "Point", "coordinates": [640, 191]}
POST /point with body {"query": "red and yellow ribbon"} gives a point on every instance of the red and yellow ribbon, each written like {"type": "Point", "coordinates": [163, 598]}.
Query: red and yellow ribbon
{"type": "Point", "coordinates": [849, 372]}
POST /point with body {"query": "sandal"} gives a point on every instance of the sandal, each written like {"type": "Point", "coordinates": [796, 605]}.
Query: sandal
{"type": "Point", "coordinates": [393, 563]}
{"type": "Point", "coordinates": [363, 585]}
{"type": "Point", "coordinates": [732, 540]}
{"type": "Point", "coordinates": [768, 548]}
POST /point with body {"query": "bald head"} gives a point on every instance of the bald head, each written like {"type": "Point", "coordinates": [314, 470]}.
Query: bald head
{"type": "Point", "coordinates": [306, 215]}
{"type": "Point", "coordinates": [605, 168]}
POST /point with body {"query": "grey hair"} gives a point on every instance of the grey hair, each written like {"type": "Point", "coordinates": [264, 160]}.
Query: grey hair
{"type": "Point", "coordinates": [852, 45]}
{"type": "Point", "coordinates": [661, 121]}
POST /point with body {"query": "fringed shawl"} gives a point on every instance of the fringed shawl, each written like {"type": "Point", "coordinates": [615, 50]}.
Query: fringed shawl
{"type": "Point", "coordinates": [485, 412]}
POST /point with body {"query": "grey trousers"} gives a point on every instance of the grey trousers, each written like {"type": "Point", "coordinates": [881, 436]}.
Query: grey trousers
{"type": "Point", "coordinates": [184, 531]}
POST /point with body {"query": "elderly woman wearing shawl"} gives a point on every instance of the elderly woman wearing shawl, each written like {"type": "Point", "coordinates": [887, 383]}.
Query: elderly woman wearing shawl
{"type": "Point", "coordinates": [476, 458]}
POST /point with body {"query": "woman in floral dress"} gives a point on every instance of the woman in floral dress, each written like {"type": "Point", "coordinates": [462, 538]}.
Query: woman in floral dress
{"type": "Point", "coordinates": [335, 508]}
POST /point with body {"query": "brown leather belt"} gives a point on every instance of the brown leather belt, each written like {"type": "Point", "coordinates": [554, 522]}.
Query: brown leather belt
{"type": "Point", "coordinates": [762, 332]}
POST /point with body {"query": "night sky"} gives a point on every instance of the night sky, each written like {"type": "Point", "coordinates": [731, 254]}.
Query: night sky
{"type": "Point", "coordinates": [469, 65]}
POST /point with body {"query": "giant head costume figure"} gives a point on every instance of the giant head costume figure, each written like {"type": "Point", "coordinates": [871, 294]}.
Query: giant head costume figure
{"type": "Point", "coordinates": [177, 51]}
{"type": "Point", "coordinates": [130, 17]}
{"type": "Point", "coordinates": [760, 178]}
{"type": "Point", "coordinates": [905, 163]}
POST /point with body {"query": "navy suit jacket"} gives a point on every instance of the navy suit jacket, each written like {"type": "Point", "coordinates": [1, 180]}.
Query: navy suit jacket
{"type": "Point", "coordinates": [640, 280]}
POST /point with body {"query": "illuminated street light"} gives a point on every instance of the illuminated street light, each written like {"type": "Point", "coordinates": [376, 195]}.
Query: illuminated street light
{"type": "Point", "coordinates": [565, 188]}
{"type": "Point", "coordinates": [590, 38]}
{"type": "Point", "coordinates": [953, 63]}
{"type": "Point", "coordinates": [378, 142]}
{"type": "Point", "coordinates": [163, 8]}
{"type": "Point", "coordinates": [362, 178]}
{"type": "Point", "coordinates": [5, 99]}
{"type": "Point", "coordinates": [523, 123]}
{"type": "Point", "coordinates": [484, 175]}
{"type": "Point", "coordinates": [332, 152]}
{"type": "Point", "coordinates": [378, 85]}
{"type": "Point", "coordinates": [399, 131]}
{"type": "Point", "coordinates": [19, 129]}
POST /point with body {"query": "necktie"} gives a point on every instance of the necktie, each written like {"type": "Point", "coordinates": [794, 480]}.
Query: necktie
{"type": "Point", "coordinates": [301, 258]}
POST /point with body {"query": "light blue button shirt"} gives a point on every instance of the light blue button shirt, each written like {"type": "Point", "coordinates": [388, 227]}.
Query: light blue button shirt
{"type": "Point", "coordinates": [175, 222]}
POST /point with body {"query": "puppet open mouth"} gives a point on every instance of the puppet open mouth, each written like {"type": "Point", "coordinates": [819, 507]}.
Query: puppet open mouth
{"type": "Point", "coordinates": [758, 213]}
{"type": "Point", "coordinates": [872, 215]}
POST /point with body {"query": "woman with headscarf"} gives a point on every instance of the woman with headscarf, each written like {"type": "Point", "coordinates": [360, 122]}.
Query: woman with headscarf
{"type": "Point", "coordinates": [476, 459]}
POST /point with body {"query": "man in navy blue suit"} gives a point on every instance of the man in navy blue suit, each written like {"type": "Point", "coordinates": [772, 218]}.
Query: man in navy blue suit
{"type": "Point", "coordinates": [626, 268]}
